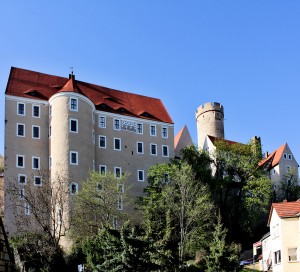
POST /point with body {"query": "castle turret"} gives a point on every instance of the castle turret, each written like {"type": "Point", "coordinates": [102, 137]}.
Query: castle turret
{"type": "Point", "coordinates": [210, 121]}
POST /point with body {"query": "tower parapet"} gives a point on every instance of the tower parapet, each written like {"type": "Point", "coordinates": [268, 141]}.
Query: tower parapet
{"type": "Point", "coordinates": [210, 121]}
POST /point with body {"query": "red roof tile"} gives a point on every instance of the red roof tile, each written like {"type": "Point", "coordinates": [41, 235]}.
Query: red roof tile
{"type": "Point", "coordinates": [30, 84]}
{"type": "Point", "coordinates": [285, 209]}
{"type": "Point", "coordinates": [273, 159]}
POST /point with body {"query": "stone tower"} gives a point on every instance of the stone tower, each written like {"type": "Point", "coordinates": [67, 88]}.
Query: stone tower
{"type": "Point", "coordinates": [210, 121]}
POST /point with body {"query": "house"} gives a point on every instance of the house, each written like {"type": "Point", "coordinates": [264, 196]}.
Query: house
{"type": "Point", "coordinates": [282, 247]}
{"type": "Point", "coordinates": [281, 167]}
{"type": "Point", "coordinates": [63, 125]}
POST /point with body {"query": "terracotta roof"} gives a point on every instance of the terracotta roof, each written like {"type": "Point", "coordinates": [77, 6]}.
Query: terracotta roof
{"type": "Point", "coordinates": [285, 209]}
{"type": "Point", "coordinates": [31, 84]}
{"type": "Point", "coordinates": [214, 139]}
{"type": "Point", "coordinates": [273, 159]}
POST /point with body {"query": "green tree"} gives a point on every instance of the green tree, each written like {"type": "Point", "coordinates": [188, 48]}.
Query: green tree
{"type": "Point", "coordinates": [221, 257]}
{"type": "Point", "coordinates": [241, 190]}
{"type": "Point", "coordinates": [101, 200]}
{"type": "Point", "coordinates": [288, 189]}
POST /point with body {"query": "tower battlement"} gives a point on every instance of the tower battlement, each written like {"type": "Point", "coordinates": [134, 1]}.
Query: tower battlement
{"type": "Point", "coordinates": [215, 106]}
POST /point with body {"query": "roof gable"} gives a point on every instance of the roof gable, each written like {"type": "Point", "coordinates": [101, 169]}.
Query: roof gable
{"type": "Point", "coordinates": [273, 159]}
{"type": "Point", "coordinates": [285, 209]}
{"type": "Point", "coordinates": [182, 140]}
{"type": "Point", "coordinates": [22, 81]}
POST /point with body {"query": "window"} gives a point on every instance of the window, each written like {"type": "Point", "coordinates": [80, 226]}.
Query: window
{"type": "Point", "coordinates": [22, 179]}
{"type": "Point", "coordinates": [153, 130]}
{"type": "Point", "coordinates": [27, 209]}
{"type": "Point", "coordinates": [102, 122]}
{"type": "Point", "coordinates": [139, 128]}
{"type": "Point", "coordinates": [117, 144]}
{"type": "Point", "coordinates": [293, 256]}
{"type": "Point", "coordinates": [35, 111]}
{"type": "Point", "coordinates": [276, 231]}
{"type": "Point", "coordinates": [59, 216]}
{"type": "Point", "coordinates": [22, 193]}
{"type": "Point", "coordinates": [285, 156]}
{"type": "Point", "coordinates": [118, 171]}
{"type": "Point", "coordinates": [73, 157]}
{"type": "Point", "coordinates": [73, 104]}
{"type": "Point", "coordinates": [140, 175]}
{"type": "Point", "coordinates": [73, 188]}
{"type": "Point", "coordinates": [21, 109]}
{"type": "Point", "coordinates": [290, 156]}
{"type": "Point", "coordinates": [102, 169]}
{"type": "Point", "coordinates": [277, 257]}
{"type": "Point", "coordinates": [116, 124]}
{"type": "Point", "coordinates": [102, 141]}
{"type": "Point", "coordinates": [120, 188]}
{"type": "Point", "coordinates": [288, 169]}
{"type": "Point", "coordinates": [73, 125]}
{"type": "Point", "coordinates": [20, 161]}
{"type": "Point", "coordinates": [120, 202]}
{"type": "Point", "coordinates": [164, 132]}
{"type": "Point", "coordinates": [37, 181]}
{"type": "Point", "coordinates": [115, 223]}
{"type": "Point", "coordinates": [36, 163]}
{"type": "Point", "coordinates": [140, 147]}
{"type": "Point", "coordinates": [153, 150]}
{"type": "Point", "coordinates": [35, 132]}
{"type": "Point", "coordinates": [165, 151]}
{"type": "Point", "coordinates": [99, 187]}
{"type": "Point", "coordinates": [21, 130]}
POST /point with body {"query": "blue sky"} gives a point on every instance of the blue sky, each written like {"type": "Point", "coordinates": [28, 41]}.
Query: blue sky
{"type": "Point", "coordinates": [243, 54]}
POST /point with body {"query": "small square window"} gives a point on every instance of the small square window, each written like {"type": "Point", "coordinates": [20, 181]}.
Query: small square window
{"type": "Point", "coordinates": [165, 151]}
{"type": "Point", "coordinates": [73, 125]}
{"type": "Point", "coordinates": [102, 169]}
{"type": "Point", "coordinates": [102, 141]}
{"type": "Point", "coordinates": [73, 104]}
{"type": "Point", "coordinates": [37, 181]}
{"type": "Point", "coordinates": [140, 175]}
{"type": "Point", "coordinates": [139, 128]}
{"type": "Point", "coordinates": [153, 130]}
{"type": "Point", "coordinates": [73, 157]}
{"type": "Point", "coordinates": [35, 132]}
{"type": "Point", "coordinates": [140, 148]}
{"type": "Point", "coordinates": [35, 111]}
{"type": "Point", "coordinates": [118, 172]}
{"type": "Point", "coordinates": [36, 163]}
{"type": "Point", "coordinates": [117, 144]}
{"type": "Point", "coordinates": [21, 109]}
{"type": "Point", "coordinates": [102, 122]}
{"type": "Point", "coordinates": [164, 132]}
{"type": "Point", "coordinates": [22, 179]}
{"type": "Point", "coordinates": [116, 124]}
{"type": "Point", "coordinates": [153, 149]}
{"type": "Point", "coordinates": [20, 161]}
{"type": "Point", "coordinates": [21, 130]}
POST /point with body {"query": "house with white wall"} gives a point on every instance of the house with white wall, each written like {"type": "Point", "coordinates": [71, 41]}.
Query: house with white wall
{"type": "Point", "coordinates": [284, 239]}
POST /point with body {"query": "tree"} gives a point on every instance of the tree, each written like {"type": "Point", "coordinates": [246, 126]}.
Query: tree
{"type": "Point", "coordinates": [241, 190]}
{"type": "Point", "coordinates": [101, 201]}
{"type": "Point", "coordinates": [289, 189]}
{"type": "Point", "coordinates": [221, 257]}
{"type": "Point", "coordinates": [39, 205]}
{"type": "Point", "coordinates": [177, 212]}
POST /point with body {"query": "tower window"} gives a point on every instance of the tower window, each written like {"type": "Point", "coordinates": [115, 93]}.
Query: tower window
{"type": "Point", "coordinates": [20, 161]}
{"type": "Point", "coordinates": [73, 104]}
{"type": "Point", "coordinates": [74, 125]}
{"type": "Point", "coordinates": [37, 181]}
{"type": "Point", "coordinates": [73, 158]}
{"type": "Point", "coordinates": [22, 179]}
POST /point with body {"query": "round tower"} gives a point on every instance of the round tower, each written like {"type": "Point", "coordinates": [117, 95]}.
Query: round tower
{"type": "Point", "coordinates": [210, 121]}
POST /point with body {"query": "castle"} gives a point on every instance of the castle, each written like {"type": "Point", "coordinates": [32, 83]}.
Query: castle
{"type": "Point", "coordinates": [67, 126]}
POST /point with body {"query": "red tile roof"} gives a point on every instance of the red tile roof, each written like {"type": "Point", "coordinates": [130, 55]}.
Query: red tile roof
{"type": "Point", "coordinates": [30, 84]}
{"type": "Point", "coordinates": [273, 159]}
{"type": "Point", "coordinates": [285, 209]}
{"type": "Point", "coordinates": [182, 140]}
{"type": "Point", "coordinates": [214, 139]}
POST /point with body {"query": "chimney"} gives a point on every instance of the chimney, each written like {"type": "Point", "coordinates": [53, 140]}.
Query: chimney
{"type": "Point", "coordinates": [72, 76]}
